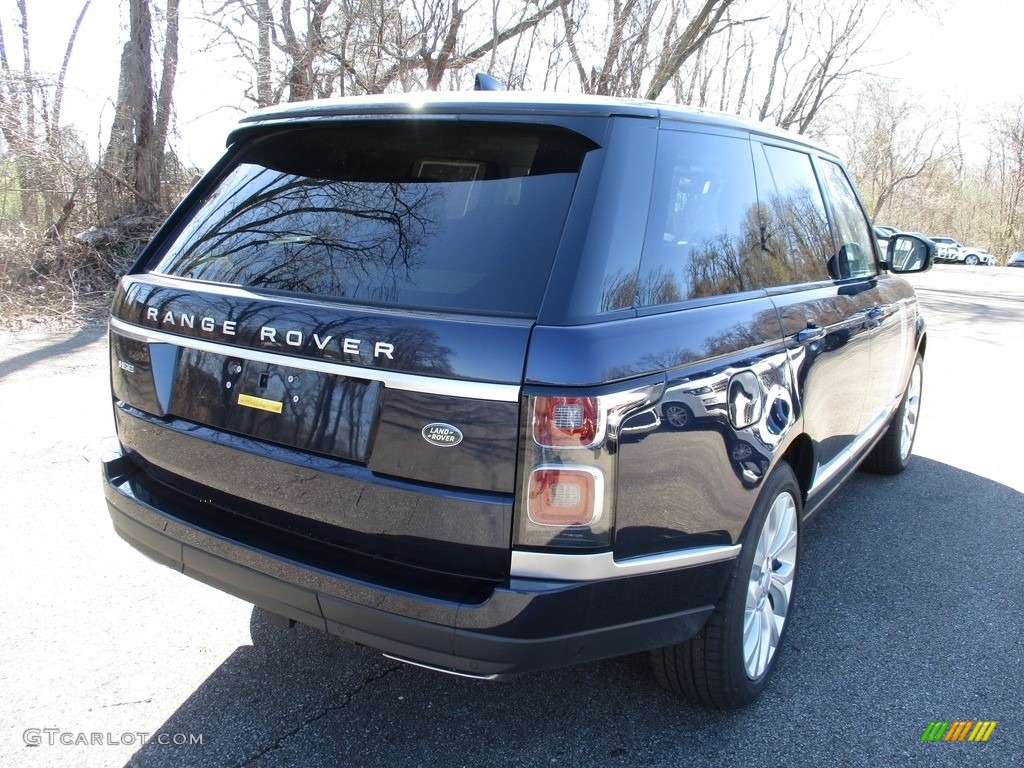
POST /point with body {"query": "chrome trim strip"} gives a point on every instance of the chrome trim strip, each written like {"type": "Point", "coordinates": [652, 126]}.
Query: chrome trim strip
{"type": "Point", "coordinates": [408, 382]}
{"type": "Point", "coordinates": [827, 472]}
{"type": "Point", "coordinates": [568, 567]}
{"type": "Point", "coordinates": [432, 668]}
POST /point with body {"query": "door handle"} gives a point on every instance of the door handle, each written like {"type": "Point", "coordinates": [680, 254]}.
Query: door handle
{"type": "Point", "coordinates": [809, 334]}
{"type": "Point", "coordinates": [875, 317]}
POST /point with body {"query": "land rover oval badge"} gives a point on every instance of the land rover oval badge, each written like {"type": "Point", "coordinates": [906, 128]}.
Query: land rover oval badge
{"type": "Point", "coordinates": [444, 435]}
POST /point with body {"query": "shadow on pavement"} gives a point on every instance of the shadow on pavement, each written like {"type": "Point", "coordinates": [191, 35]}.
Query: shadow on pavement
{"type": "Point", "coordinates": [908, 611]}
{"type": "Point", "coordinates": [81, 338]}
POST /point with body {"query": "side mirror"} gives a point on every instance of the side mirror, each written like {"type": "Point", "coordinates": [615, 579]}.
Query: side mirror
{"type": "Point", "coordinates": [909, 253]}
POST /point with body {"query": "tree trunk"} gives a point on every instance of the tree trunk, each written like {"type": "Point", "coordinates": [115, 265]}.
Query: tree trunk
{"type": "Point", "coordinates": [170, 70]}
{"type": "Point", "coordinates": [58, 95]}
{"type": "Point", "coordinates": [134, 156]}
{"type": "Point", "coordinates": [26, 160]}
{"type": "Point", "coordinates": [264, 75]}
{"type": "Point", "coordinates": [704, 24]}
{"type": "Point", "coordinates": [146, 161]}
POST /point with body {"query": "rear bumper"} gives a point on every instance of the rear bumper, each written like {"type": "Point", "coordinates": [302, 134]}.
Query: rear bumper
{"type": "Point", "coordinates": [520, 625]}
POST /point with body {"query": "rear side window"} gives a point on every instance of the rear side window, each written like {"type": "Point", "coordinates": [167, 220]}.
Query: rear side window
{"type": "Point", "coordinates": [443, 215]}
{"type": "Point", "coordinates": [797, 238]}
{"type": "Point", "coordinates": [702, 231]}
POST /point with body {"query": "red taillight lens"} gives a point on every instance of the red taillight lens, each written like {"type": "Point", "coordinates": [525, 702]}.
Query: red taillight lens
{"type": "Point", "coordinates": [566, 422]}
{"type": "Point", "coordinates": [565, 497]}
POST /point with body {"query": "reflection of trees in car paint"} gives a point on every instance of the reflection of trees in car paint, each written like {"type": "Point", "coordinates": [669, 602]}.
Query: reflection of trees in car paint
{"type": "Point", "coordinates": [414, 348]}
{"type": "Point", "coordinates": [760, 329]}
{"type": "Point", "coordinates": [319, 412]}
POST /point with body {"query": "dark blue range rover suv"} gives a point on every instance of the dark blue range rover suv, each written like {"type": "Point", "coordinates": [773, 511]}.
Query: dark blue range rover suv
{"type": "Point", "coordinates": [496, 383]}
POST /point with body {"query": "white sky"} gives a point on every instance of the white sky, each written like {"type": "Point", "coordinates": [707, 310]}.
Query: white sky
{"type": "Point", "coordinates": [968, 50]}
{"type": "Point", "coordinates": [965, 51]}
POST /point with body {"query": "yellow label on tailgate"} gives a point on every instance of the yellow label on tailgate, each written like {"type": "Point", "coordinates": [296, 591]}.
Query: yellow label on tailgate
{"type": "Point", "coordinates": [258, 402]}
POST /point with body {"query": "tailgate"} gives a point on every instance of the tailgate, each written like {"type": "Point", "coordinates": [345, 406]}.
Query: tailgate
{"type": "Point", "coordinates": [399, 460]}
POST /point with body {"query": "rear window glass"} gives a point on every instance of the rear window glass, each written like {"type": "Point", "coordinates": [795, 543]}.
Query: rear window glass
{"type": "Point", "coordinates": [440, 215]}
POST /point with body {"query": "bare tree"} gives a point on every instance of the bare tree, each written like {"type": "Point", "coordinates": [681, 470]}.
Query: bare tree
{"type": "Point", "coordinates": [134, 155]}
{"type": "Point", "coordinates": [17, 102]}
{"type": "Point", "coordinates": [890, 143]}
{"type": "Point", "coordinates": [641, 46]}
{"type": "Point", "coordinates": [819, 48]}
{"type": "Point", "coordinates": [1005, 172]}
{"type": "Point", "coordinates": [616, 67]}
{"type": "Point", "coordinates": [698, 29]}
{"type": "Point", "coordinates": [58, 96]}
{"type": "Point", "coordinates": [792, 58]}
{"type": "Point", "coordinates": [318, 48]}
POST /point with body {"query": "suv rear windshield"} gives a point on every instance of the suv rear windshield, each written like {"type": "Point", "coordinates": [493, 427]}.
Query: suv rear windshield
{"type": "Point", "coordinates": [423, 214]}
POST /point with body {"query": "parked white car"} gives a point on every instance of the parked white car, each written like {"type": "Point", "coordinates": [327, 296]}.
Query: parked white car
{"type": "Point", "coordinates": [952, 252]}
{"type": "Point", "coordinates": [974, 256]}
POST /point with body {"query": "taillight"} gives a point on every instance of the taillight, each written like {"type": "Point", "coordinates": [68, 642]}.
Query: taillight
{"type": "Point", "coordinates": [565, 497]}
{"type": "Point", "coordinates": [567, 422]}
{"type": "Point", "coordinates": [566, 494]}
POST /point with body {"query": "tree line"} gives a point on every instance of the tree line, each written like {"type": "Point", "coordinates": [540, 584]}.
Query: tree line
{"type": "Point", "coordinates": [797, 64]}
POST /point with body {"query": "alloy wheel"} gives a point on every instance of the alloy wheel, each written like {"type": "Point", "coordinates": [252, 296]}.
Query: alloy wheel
{"type": "Point", "coordinates": [911, 409]}
{"type": "Point", "coordinates": [770, 586]}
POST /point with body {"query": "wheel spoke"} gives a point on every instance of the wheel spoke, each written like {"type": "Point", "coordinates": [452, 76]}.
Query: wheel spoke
{"type": "Point", "coordinates": [766, 648]}
{"type": "Point", "coordinates": [751, 638]}
{"type": "Point", "coordinates": [753, 595]}
{"type": "Point", "coordinates": [750, 628]}
{"type": "Point", "coordinates": [784, 545]}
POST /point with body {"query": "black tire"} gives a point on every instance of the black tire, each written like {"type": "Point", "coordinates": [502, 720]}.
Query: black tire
{"type": "Point", "coordinates": [971, 261]}
{"type": "Point", "coordinates": [893, 452]}
{"type": "Point", "coordinates": [713, 668]}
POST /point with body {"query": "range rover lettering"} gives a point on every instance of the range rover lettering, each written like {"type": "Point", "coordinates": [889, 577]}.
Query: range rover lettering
{"type": "Point", "coordinates": [495, 383]}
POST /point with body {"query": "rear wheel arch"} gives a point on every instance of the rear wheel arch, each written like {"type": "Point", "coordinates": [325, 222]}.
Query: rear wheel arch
{"type": "Point", "coordinates": [728, 662]}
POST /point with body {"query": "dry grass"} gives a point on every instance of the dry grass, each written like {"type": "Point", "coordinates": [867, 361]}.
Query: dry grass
{"type": "Point", "coordinates": [54, 284]}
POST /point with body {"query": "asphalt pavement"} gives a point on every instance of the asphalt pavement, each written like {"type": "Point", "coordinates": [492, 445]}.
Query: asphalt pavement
{"type": "Point", "coordinates": [909, 610]}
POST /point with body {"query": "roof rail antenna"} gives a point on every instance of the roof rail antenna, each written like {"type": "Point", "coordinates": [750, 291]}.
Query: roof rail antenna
{"type": "Point", "coordinates": [487, 83]}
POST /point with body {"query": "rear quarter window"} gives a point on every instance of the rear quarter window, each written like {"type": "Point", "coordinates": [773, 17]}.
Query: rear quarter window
{"type": "Point", "coordinates": [702, 231]}
{"type": "Point", "coordinates": [436, 215]}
